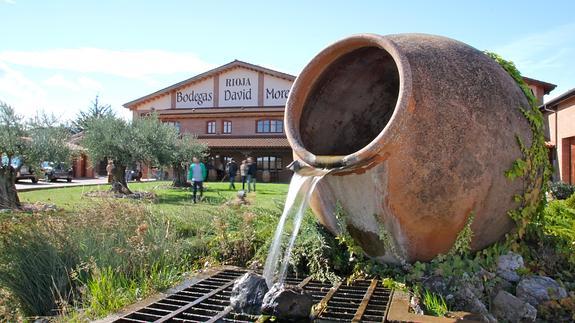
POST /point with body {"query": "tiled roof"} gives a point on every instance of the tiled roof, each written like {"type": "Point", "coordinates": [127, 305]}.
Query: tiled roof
{"type": "Point", "coordinates": [246, 142]}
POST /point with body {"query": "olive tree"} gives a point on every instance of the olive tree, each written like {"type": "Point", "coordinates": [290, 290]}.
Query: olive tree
{"type": "Point", "coordinates": [114, 139]}
{"type": "Point", "coordinates": [167, 148]}
{"type": "Point", "coordinates": [39, 139]}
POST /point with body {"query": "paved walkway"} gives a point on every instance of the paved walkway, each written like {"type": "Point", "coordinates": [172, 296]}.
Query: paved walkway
{"type": "Point", "coordinates": [27, 185]}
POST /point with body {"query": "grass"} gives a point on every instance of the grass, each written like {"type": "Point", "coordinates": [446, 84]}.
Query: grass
{"type": "Point", "coordinates": [434, 304]}
{"type": "Point", "coordinates": [169, 199]}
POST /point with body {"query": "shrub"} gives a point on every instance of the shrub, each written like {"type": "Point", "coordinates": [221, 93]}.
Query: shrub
{"type": "Point", "coordinates": [562, 190]}
{"type": "Point", "coordinates": [570, 202]}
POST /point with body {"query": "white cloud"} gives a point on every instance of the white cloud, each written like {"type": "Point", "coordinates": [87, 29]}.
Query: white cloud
{"type": "Point", "coordinates": [79, 84]}
{"type": "Point", "coordinates": [89, 84]}
{"type": "Point", "coordinates": [19, 91]}
{"type": "Point", "coordinates": [130, 64]}
{"type": "Point", "coordinates": [9, 1]}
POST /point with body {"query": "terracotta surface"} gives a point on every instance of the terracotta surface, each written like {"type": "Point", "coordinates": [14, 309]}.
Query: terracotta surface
{"type": "Point", "coordinates": [421, 129]}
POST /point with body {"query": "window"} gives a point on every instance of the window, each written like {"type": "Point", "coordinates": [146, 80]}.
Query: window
{"type": "Point", "coordinates": [270, 163]}
{"type": "Point", "coordinates": [227, 126]}
{"type": "Point", "coordinates": [176, 124]}
{"type": "Point", "coordinates": [211, 127]}
{"type": "Point", "coordinates": [270, 126]}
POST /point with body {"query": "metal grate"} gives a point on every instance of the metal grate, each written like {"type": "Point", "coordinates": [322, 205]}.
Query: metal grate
{"type": "Point", "coordinates": [208, 301]}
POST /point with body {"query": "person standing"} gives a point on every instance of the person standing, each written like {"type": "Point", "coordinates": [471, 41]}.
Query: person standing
{"type": "Point", "coordinates": [251, 173]}
{"type": "Point", "coordinates": [110, 170]}
{"type": "Point", "coordinates": [243, 173]}
{"type": "Point", "coordinates": [197, 174]}
{"type": "Point", "coordinates": [232, 168]}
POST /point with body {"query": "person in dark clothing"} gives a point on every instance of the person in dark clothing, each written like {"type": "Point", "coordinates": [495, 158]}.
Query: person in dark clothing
{"type": "Point", "coordinates": [232, 169]}
{"type": "Point", "coordinates": [251, 173]}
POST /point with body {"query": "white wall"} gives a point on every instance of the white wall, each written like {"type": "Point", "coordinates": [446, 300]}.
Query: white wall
{"type": "Point", "coordinates": [162, 103]}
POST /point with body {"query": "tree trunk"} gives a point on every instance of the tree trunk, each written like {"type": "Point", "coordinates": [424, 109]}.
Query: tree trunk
{"type": "Point", "coordinates": [8, 194]}
{"type": "Point", "coordinates": [119, 185]}
{"type": "Point", "coordinates": [180, 176]}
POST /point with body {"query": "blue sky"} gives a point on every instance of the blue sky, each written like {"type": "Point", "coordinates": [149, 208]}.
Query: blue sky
{"type": "Point", "coordinates": [56, 56]}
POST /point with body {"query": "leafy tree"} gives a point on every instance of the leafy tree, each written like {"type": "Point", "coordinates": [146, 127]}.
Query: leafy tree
{"type": "Point", "coordinates": [113, 138]}
{"type": "Point", "coordinates": [95, 111]}
{"type": "Point", "coordinates": [32, 142]}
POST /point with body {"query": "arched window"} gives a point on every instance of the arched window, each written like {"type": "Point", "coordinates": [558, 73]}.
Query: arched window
{"type": "Point", "coordinates": [269, 126]}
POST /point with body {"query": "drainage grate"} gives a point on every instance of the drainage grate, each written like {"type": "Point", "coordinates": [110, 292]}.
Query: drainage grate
{"type": "Point", "coordinates": [208, 301]}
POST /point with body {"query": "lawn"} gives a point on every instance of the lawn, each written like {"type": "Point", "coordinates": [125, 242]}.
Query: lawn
{"type": "Point", "coordinates": [168, 198]}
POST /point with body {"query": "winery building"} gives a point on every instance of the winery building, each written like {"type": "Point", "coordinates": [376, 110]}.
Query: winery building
{"type": "Point", "coordinates": [237, 109]}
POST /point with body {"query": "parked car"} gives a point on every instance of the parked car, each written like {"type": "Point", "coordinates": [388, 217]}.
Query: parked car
{"type": "Point", "coordinates": [22, 171]}
{"type": "Point", "coordinates": [55, 171]}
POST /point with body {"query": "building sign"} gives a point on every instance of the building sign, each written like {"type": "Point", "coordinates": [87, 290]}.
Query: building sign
{"type": "Point", "coordinates": [276, 90]}
{"type": "Point", "coordinates": [198, 95]}
{"type": "Point", "coordinates": [238, 88]}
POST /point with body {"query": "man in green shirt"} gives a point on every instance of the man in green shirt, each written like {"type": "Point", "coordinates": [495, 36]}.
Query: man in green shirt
{"type": "Point", "coordinates": [197, 174]}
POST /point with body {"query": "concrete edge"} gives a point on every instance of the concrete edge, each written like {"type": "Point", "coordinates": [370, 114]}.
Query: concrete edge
{"type": "Point", "coordinates": [399, 312]}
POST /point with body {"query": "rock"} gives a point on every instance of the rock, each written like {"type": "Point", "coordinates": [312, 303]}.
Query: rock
{"type": "Point", "coordinates": [287, 303]}
{"type": "Point", "coordinates": [507, 266]}
{"type": "Point", "coordinates": [467, 294]}
{"type": "Point", "coordinates": [248, 293]}
{"type": "Point", "coordinates": [239, 200]}
{"type": "Point", "coordinates": [437, 284]}
{"type": "Point", "coordinates": [507, 307]}
{"type": "Point", "coordinates": [538, 289]}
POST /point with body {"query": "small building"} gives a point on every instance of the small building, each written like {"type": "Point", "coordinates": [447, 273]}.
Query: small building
{"type": "Point", "coordinates": [237, 109]}
{"type": "Point", "coordinates": [559, 116]}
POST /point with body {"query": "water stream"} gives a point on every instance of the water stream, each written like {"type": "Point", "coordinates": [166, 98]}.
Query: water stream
{"type": "Point", "coordinates": [299, 193]}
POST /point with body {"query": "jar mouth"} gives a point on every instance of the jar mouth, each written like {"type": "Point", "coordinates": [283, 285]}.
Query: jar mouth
{"type": "Point", "coordinates": [344, 101]}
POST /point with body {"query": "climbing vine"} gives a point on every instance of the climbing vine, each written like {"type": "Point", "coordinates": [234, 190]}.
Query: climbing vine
{"type": "Point", "coordinates": [533, 168]}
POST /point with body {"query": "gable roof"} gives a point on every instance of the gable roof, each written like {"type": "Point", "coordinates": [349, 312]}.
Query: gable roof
{"type": "Point", "coordinates": [231, 65]}
{"type": "Point", "coordinates": [547, 87]}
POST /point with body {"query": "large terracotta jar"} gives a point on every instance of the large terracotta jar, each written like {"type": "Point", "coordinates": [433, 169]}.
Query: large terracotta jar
{"type": "Point", "coordinates": [418, 131]}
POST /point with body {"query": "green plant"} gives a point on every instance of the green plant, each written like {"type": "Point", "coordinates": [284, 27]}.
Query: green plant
{"type": "Point", "coordinates": [570, 201]}
{"type": "Point", "coordinates": [533, 168]}
{"type": "Point", "coordinates": [434, 304]}
{"type": "Point", "coordinates": [462, 243]}
{"type": "Point", "coordinates": [35, 263]}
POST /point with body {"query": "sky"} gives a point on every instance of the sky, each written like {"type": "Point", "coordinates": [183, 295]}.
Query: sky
{"type": "Point", "coordinates": [57, 56]}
